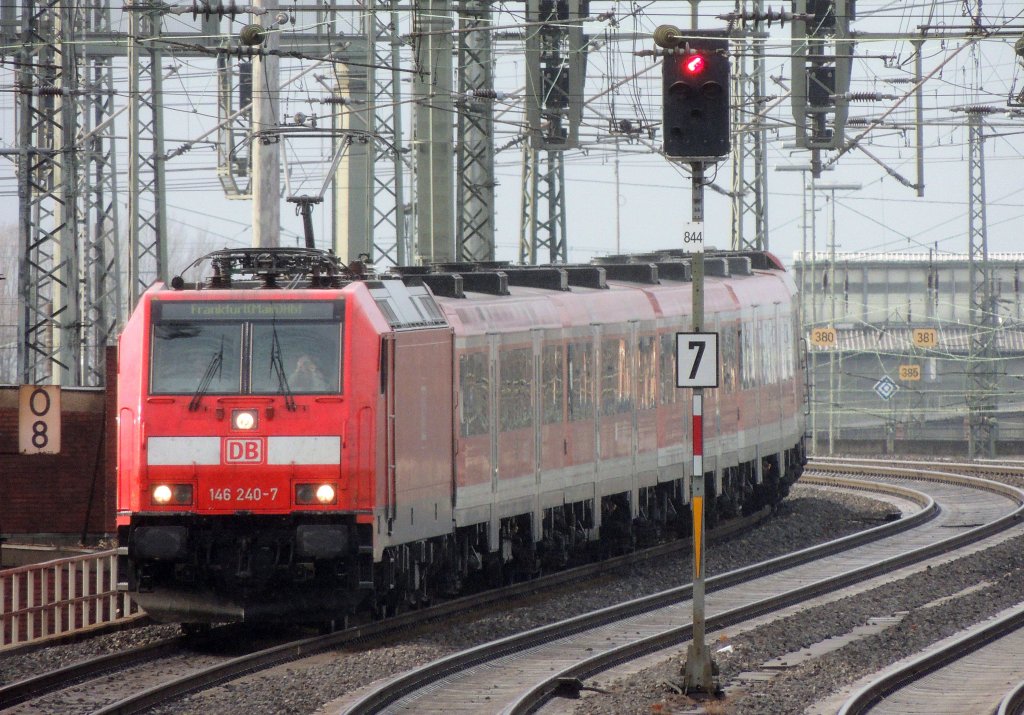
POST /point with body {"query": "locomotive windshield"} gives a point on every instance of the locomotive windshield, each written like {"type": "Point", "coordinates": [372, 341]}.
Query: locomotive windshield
{"type": "Point", "coordinates": [230, 347]}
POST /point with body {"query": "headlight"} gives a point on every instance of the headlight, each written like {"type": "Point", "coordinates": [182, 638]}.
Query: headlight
{"type": "Point", "coordinates": [315, 494]}
{"type": "Point", "coordinates": [325, 494]}
{"type": "Point", "coordinates": [172, 494]}
{"type": "Point", "coordinates": [162, 494]}
{"type": "Point", "coordinates": [244, 419]}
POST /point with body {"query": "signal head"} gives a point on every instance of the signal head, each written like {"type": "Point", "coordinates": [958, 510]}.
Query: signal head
{"type": "Point", "coordinates": [695, 95]}
{"type": "Point", "coordinates": [694, 65]}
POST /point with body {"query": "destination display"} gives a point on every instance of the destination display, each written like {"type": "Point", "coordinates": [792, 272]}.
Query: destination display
{"type": "Point", "coordinates": [181, 310]}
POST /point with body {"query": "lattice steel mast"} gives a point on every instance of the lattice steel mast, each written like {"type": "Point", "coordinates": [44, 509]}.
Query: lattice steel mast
{"type": "Point", "coordinates": [103, 304]}
{"type": "Point", "coordinates": [982, 380]}
{"type": "Point", "coordinates": [555, 73]}
{"type": "Point", "coordinates": [474, 198]}
{"type": "Point", "coordinates": [147, 213]}
{"type": "Point", "coordinates": [390, 225]}
{"type": "Point", "coordinates": [49, 329]}
{"type": "Point", "coordinates": [749, 160]}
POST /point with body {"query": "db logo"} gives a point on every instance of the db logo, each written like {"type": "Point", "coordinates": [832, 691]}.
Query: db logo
{"type": "Point", "coordinates": [243, 451]}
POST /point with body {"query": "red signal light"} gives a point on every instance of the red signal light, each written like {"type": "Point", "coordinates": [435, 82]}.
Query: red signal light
{"type": "Point", "coordinates": [694, 65]}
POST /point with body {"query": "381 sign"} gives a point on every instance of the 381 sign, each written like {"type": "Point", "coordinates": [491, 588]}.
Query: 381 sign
{"type": "Point", "coordinates": [39, 419]}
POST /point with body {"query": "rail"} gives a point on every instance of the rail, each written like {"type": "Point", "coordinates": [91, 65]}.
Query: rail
{"type": "Point", "coordinates": [59, 597]}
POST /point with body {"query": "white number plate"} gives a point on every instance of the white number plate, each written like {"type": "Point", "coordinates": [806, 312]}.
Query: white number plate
{"type": "Point", "coordinates": [244, 494]}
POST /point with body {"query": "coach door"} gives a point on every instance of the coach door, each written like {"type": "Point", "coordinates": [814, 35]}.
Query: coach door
{"type": "Point", "coordinates": [423, 432]}
{"type": "Point", "coordinates": [388, 385]}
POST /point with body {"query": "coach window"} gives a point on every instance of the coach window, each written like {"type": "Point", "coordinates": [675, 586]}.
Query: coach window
{"type": "Point", "coordinates": [186, 353]}
{"type": "Point", "coordinates": [552, 384]}
{"type": "Point", "coordinates": [306, 353]}
{"type": "Point", "coordinates": [770, 355]}
{"type": "Point", "coordinates": [667, 368]}
{"type": "Point", "coordinates": [750, 357]}
{"type": "Point", "coordinates": [473, 393]}
{"type": "Point", "coordinates": [582, 379]}
{"type": "Point", "coordinates": [616, 377]}
{"type": "Point", "coordinates": [648, 397]}
{"type": "Point", "coordinates": [782, 333]}
{"type": "Point", "coordinates": [516, 368]}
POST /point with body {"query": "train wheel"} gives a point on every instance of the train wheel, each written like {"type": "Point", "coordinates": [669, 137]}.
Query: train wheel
{"type": "Point", "coordinates": [386, 605]}
{"type": "Point", "coordinates": [195, 630]}
{"type": "Point", "coordinates": [333, 625]}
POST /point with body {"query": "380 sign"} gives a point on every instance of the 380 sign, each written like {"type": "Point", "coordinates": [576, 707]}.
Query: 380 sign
{"type": "Point", "coordinates": [39, 419]}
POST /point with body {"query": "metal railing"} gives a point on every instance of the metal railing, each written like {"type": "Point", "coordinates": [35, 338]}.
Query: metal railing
{"type": "Point", "coordinates": [61, 596]}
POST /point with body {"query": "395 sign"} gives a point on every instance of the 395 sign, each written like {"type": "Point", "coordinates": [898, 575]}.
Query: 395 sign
{"type": "Point", "coordinates": [39, 419]}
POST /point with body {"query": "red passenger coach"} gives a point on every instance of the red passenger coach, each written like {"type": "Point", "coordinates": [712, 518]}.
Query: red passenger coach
{"type": "Point", "coordinates": [299, 441]}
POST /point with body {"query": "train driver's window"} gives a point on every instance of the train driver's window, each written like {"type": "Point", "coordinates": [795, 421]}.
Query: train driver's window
{"type": "Point", "coordinates": [187, 354]}
{"type": "Point", "coordinates": [304, 356]}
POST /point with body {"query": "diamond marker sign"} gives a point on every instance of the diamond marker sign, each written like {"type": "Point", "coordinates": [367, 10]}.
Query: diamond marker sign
{"type": "Point", "coordinates": [885, 388]}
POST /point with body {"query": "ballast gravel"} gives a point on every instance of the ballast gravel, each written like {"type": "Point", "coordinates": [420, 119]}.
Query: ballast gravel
{"type": "Point", "coordinates": [808, 516]}
{"type": "Point", "coordinates": [924, 608]}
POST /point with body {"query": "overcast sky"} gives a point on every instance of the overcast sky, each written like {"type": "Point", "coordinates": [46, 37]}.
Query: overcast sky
{"type": "Point", "coordinates": [653, 194]}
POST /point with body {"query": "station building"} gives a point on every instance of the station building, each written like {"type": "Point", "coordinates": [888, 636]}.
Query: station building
{"type": "Point", "coordinates": [896, 353]}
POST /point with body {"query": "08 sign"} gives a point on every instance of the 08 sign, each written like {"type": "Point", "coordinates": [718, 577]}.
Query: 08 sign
{"type": "Point", "coordinates": [39, 419]}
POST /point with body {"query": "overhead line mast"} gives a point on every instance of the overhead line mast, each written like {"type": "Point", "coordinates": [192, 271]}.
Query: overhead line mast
{"type": "Point", "coordinates": [72, 286]}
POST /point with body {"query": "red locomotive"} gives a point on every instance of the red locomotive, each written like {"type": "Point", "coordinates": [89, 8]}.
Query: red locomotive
{"type": "Point", "coordinates": [298, 441]}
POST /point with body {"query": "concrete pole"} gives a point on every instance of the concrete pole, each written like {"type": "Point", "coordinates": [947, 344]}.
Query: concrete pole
{"type": "Point", "coordinates": [266, 157]}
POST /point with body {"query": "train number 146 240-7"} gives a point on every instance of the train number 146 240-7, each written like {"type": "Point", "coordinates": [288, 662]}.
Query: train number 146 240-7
{"type": "Point", "coordinates": [243, 494]}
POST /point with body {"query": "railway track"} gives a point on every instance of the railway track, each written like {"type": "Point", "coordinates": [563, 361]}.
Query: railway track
{"type": "Point", "coordinates": [992, 502]}
{"type": "Point", "coordinates": [52, 681]}
{"type": "Point", "coordinates": [523, 672]}
{"type": "Point", "coordinates": [94, 682]}
{"type": "Point", "coordinates": [982, 666]}
{"type": "Point", "coordinates": [25, 695]}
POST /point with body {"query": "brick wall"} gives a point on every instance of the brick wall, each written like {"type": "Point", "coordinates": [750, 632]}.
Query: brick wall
{"type": "Point", "coordinates": [58, 498]}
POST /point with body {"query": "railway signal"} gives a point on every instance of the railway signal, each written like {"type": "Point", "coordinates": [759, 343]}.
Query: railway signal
{"type": "Point", "coordinates": [695, 95]}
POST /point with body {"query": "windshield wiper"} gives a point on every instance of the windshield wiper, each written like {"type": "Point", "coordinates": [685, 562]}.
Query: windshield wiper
{"type": "Point", "coordinates": [216, 361]}
{"type": "Point", "coordinates": [277, 365]}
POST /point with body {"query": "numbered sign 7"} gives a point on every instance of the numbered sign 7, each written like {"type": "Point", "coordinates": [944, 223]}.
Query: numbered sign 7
{"type": "Point", "coordinates": [696, 359]}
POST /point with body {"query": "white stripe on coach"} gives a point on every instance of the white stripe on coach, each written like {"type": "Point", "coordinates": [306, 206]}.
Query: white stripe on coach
{"type": "Point", "coordinates": [169, 451]}
{"type": "Point", "coordinates": [303, 450]}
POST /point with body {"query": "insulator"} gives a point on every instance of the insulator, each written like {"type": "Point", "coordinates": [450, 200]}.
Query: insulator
{"type": "Point", "coordinates": [252, 35]}
{"type": "Point", "coordinates": [862, 96]}
{"type": "Point", "coordinates": [667, 36]}
{"type": "Point", "coordinates": [978, 109]}
{"type": "Point", "coordinates": [768, 16]}
{"type": "Point", "coordinates": [485, 93]}
{"type": "Point", "coordinates": [49, 91]}
{"type": "Point", "coordinates": [200, 7]}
